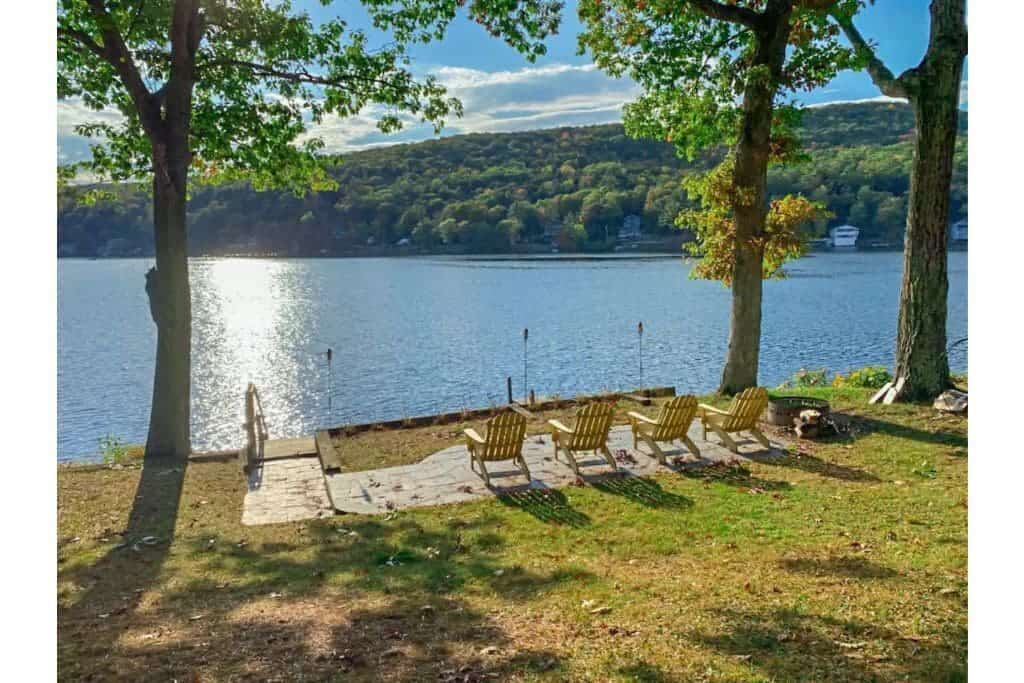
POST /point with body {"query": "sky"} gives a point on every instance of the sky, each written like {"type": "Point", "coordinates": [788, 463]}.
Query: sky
{"type": "Point", "coordinates": [501, 91]}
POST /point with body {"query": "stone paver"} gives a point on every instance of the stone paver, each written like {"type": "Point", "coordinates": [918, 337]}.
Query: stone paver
{"type": "Point", "coordinates": [445, 477]}
{"type": "Point", "coordinates": [289, 448]}
{"type": "Point", "coordinates": [286, 489]}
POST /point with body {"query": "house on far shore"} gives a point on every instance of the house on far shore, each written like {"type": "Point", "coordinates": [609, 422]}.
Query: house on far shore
{"type": "Point", "coordinates": [958, 232]}
{"type": "Point", "coordinates": [631, 228]}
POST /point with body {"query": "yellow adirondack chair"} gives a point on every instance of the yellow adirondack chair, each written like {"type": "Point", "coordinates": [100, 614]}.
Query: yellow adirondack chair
{"type": "Point", "coordinates": [503, 441]}
{"type": "Point", "coordinates": [742, 415]}
{"type": "Point", "coordinates": [673, 423]}
{"type": "Point", "coordinates": [590, 434]}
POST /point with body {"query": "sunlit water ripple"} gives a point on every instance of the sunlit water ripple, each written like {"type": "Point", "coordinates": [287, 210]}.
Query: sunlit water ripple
{"type": "Point", "coordinates": [414, 336]}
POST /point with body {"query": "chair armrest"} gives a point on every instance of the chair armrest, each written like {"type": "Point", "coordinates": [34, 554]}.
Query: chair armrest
{"type": "Point", "coordinates": [711, 409]}
{"type": "Point", "coordinates": [471, 433]}
{"type": "Point", "coordinates": [641, 418]}
{"type": "Point", "coordinates": [559, 426]}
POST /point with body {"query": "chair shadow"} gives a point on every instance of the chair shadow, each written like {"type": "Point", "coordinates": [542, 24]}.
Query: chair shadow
{"type": "Point", "coordinates": [729, 474]}
{"type": "Point", "coordinates": [548, 505]}
{"type": "Point", "coordinates": [639, 489]}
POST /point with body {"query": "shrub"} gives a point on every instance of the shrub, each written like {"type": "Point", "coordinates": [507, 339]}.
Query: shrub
{"type": "Point", "coordinates": [807, 378]}
{"type": "Point", "coordinates": [871, 377]}
{"type": "Point", "coordinates": [113, 450]}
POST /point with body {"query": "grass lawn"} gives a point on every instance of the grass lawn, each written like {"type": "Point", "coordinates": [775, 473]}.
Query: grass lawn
{"type": "Point", "coordinates": [846, 560]}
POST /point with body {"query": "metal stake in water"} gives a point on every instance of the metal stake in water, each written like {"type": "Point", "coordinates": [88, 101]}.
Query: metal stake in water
{"type": "Point", "coordinates": [330, 380]}
{"type": "Point", "coordinates": [640, 336]}
{"type": "Point", "coordinates": [526, 387]}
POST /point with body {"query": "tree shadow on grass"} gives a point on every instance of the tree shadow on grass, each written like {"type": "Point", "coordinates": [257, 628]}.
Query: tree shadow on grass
{"type": "Point", "coordinates": [850, 567]}
{"type": "Point", "coordinates": [814, 465]}
{"type": "Point", "coordinates": [329, 637]}
{"type": "Point", "coordinates": [862, 425]}
{"type": "Point", "coordinates": [550, 506]}
{"type": "Point", "coordinates": [729, 474]}
{"type": "Point", "coordinates": [113, 584]}
{"type": "Point", "coordinates": [349, 598]}
{"type": "Point", "coordinates": [793, 645]}
{"type": "Point", "coordinates": [640, 490]}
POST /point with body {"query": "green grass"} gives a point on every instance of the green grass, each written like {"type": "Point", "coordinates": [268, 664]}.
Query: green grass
{"type": "Point", "coordinates": [845, 560]}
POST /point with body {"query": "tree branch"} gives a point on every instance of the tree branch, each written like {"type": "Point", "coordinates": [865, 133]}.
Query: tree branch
{"type": "Point", "coordinates": [880, 74]}
{"type": "Point", "coordinates": [82, 38]}
{"type": "Point", "coordinates": [300, 76]}
{"type": "Point", "coordinates": [117, 54]}
{"type": "Point", "coordinates": [731, 13]}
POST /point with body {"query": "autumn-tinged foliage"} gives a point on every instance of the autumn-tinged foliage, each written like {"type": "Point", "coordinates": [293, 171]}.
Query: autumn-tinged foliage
{"type": "Point", "coordinates": [784, 236]}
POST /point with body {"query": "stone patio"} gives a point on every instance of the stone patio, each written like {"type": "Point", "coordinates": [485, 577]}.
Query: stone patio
{"type": "Point", "coordinates": [445, 477]}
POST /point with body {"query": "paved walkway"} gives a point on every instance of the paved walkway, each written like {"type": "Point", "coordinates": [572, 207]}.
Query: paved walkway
{"type": "Point", "coordinates": [445, 476]}
{"type": "Point", "coordinates": [288, 486]}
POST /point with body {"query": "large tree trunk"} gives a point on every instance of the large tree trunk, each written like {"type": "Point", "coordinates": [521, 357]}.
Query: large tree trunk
{"type": "Point", "coordinates": [170, 305]}
{"type": "Point", "coordinates": [167, 285]}
{"type": "Point", "coordinates": [750, 182]}
{"type": "Point", "coordinates": [921, 333]}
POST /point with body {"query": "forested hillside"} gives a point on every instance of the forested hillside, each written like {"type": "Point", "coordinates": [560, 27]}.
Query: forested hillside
{"type": "Point", "coordinates": [575, 187]}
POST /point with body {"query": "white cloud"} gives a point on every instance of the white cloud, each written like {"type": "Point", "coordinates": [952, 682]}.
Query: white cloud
{"type": "Point", "coordinates": [878, 98]}
{"type": "Point", "coordinates": [499, 101]}
{"type": "Point", "coordinates": [72, 112]}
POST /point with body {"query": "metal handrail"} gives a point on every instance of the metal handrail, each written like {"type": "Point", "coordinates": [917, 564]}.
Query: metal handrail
{"type": "Point", "coordinates": [255, 427]}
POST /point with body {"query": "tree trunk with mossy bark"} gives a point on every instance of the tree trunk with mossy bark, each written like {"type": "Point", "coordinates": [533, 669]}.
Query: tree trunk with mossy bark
{"type": "Point", "coordinates": [933, 88]}
{"type": "Point", "coordinates": [750, 208]}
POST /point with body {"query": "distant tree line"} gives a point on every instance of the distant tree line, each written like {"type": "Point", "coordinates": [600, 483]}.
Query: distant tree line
{"type": "Point", "coordinates": [498, 192]}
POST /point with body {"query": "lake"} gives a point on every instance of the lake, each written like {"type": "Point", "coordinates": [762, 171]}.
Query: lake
{"type": "Point", "coordinates": [412, 336]}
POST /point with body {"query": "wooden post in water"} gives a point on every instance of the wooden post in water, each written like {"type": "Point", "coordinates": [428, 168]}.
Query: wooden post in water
{"type": "Point", "coordinates": [509, 380]}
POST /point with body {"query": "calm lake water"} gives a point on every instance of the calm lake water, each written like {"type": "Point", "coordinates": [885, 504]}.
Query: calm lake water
{"type": "Point", "coordinates": [416, 336]}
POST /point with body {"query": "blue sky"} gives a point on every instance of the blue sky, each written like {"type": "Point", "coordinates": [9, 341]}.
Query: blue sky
{"type": "Point", "coordinates": [501, 91]}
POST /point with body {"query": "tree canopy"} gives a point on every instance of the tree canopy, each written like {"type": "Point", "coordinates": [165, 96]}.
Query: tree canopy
{"type": "Point", "coordinates": [263, 73]}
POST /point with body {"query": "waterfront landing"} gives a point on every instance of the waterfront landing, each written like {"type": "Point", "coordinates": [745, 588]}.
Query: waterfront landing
{"type": "Point", "coordinates": [290, 485]}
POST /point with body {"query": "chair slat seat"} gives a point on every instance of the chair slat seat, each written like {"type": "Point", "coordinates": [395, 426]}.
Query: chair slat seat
{"type": "Point", "coordinates": [503, 440]}
{"type": "Point", "coordinates": [673, 423]}
{"type": "Point", "coordinates": [593, 422]}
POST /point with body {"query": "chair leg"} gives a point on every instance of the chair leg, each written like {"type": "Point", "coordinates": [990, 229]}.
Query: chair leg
{"type": "Point", "coordinates": [608, 456]}
{"type": "Point", "coordinates": [521, 463]}
{"type": "Point", "coordinates": [656, 450]}
{"type": "Point", "coordinates": [483, 474]}
{"type": "Point", "coordinates": [704, 430]}
{"type": "Point", "coordinates": [570, 459]}
{"type": "Point", "coordinates": [634, 426]}
{"type": "Point", "coordinates": [690, 445]}
{"type": "Point", "coordinates": [726, 439]}
{"type": "Point", "coordinates": [760, 437]}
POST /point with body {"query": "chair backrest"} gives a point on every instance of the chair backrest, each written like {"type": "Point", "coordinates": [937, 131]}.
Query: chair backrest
{"type": "Point", "coordinates": [746, 408]}
{"type": "Point", "coordinates": [504, 437]}
{"type": "Point", "coordinates": [675, 418]}
{"type": "Point", "coordinates": [592, 424]}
